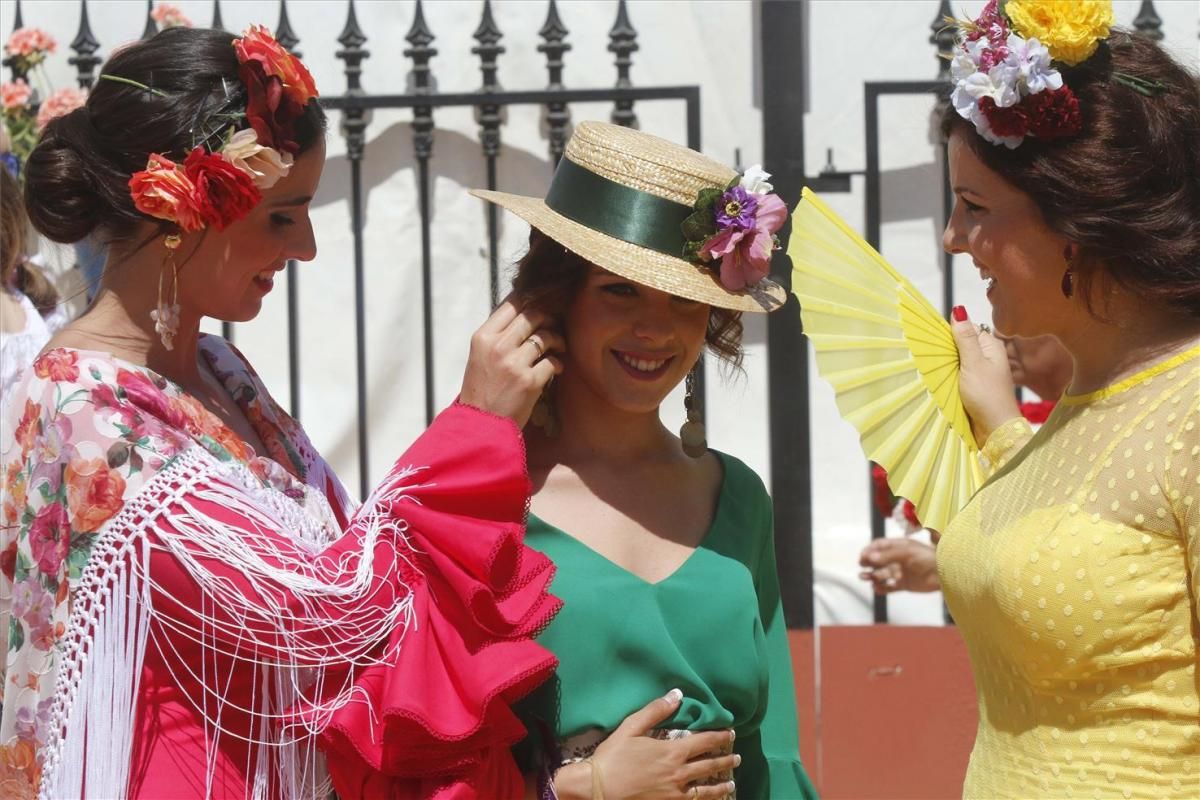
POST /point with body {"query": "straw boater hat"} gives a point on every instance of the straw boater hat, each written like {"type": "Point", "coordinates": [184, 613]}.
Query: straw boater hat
{"type": "Point", "coordinates": [618, 199]}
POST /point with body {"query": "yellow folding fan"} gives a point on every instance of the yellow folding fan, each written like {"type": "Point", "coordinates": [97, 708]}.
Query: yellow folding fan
{"type": "Point", "coordinates": [891, 359]}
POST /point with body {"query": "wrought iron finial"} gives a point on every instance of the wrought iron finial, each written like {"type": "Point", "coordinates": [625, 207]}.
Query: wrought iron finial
{"type": "Point", "coordinates": [554, 44]}
{"type": "Point", "coordinates": [623, 42]}
{"type": "Point", "coordinates": [12, 62]}
{"type": "Point", "coordinates": [217, 22]}
{"type": "Point", "coordinates": [1148, 22]}
{"type": "Point", "coordinates": [354, 120]}
{"type": "Point", "coordinates": [489, 49]}
{"type": "Point", "coordinates": [284, 33]}
{"type": "Point", "coordinates": [151, 27]}
{"type": "Point", "coordinates": [420, 80]}
{"type": "Point", "coordinates": [943, 37]}
{"type": "Point", "coordinates": [85, 46]}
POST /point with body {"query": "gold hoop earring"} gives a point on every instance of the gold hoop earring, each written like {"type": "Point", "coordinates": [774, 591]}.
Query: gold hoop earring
{"type": "Point", "coordinates": [692, 434]}
{"type": "Point", "coordinates": [166, 317]}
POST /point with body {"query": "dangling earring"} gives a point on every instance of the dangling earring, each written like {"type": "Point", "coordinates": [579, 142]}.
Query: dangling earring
{"type": "Point", "coordinates": [166, 317]}
{"type": "Point", "coordinates": [543, 411]}
{"type": "Point", "coordinates": [692, 433]}
{"type": "Point", "coordinates": [1068, 278]}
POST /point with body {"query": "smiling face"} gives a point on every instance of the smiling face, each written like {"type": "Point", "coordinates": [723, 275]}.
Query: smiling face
{"type": "Point", "coordinates": [231, 271]}
{"type": "Point", "coordinates": [1016, 252]}
{"type": "Point", "coordinates": [628, 344]}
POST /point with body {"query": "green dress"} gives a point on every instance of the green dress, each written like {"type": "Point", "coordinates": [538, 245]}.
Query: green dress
{"type": "Point", "coordinates": [714, 628]}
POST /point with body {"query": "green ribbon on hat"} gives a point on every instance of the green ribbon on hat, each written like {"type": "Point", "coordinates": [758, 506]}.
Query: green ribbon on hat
{"type": "Point", "coordinates": [620, 211]}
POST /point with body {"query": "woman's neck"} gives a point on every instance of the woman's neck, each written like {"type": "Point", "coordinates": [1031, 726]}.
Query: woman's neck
{"type": "Point", "coordinates": [590, 429]}
{"type": "Point", "coordinates": [1128, 341]}
{"type": "Point", "coordinates": [118, 320]}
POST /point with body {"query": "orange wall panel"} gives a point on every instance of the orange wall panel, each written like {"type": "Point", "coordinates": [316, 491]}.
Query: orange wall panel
{"type": "Point", "coordinates": [886, 712]}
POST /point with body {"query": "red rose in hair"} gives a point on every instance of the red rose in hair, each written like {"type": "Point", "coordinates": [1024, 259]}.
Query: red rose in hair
{"type": "Point", "coordinates": [1054, 115]}
{"type": "Point", "coordinates": [224, 194]}
{"type": "Point", "coordinates": [162, 190]}
{"type": "Point", "coordinates": [258, 45]}
{"type": "Point", "coordinates": [278, 87]}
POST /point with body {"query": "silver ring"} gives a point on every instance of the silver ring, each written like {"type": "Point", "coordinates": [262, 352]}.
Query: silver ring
{"type": "Point", "coordinates": [537, 342]}
{"type": "Point", "coordinates": [985, 328]}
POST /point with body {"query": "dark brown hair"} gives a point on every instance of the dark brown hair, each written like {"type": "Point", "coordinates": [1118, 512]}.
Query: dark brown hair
{"type": "Point", "coordinates": [15, 270]}
{"type": "Point", "coordinates": [77, 178]}
{"type": "Point", "coordinates": [549, 276]}
{"type": "Point", "coordinates": [1126, 190]}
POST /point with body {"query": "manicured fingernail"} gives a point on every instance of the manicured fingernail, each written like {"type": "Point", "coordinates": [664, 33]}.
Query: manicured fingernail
{"type": "Point", "coordinates": [732, 734]}
{"type": "Point", "coordinates": [959, 313]}
{"type": "Point", "coordinates": [674, 696]}
{"type": "Point", "coordinates": [732, 787]}
{"type": "Point", "coordinates": [737, 760]}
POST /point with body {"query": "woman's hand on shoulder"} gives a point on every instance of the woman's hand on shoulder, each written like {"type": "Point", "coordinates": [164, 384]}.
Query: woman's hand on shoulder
{"type": "Point", "coordinates": [513, 356]}
{"type": "Point", "coordinates": [985, 379]}
{"type": "Point", "coordinates": [634, 766]}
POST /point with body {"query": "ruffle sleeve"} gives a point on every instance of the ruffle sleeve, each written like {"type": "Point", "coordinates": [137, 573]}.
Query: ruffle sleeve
{"type": "Point", "coordinates": [437, 720]}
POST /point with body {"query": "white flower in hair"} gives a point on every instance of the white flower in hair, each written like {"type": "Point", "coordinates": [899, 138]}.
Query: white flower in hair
{"type": "Point", "coordinates": [754, 180]}
{"type": "Point", "coordinates": [265, 165]}
{"type": "Point", "coordinates": [1031, 60]}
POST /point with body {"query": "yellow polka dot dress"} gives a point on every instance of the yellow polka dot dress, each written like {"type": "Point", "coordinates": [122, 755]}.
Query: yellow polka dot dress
{"type": "Point", "coordinates": [1073, 577]}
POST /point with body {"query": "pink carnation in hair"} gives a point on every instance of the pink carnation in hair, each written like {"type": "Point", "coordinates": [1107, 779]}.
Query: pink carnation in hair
{"type": "Point", "coordinates": [64, 101]}
{"type": "Point", "coordinates": [29, 41]}
{"type": "Point", "coordinates": [15, 94]}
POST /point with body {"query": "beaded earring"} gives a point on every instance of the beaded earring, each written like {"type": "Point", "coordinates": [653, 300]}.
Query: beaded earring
{"type": "Point", "coordinates": [692, 434]}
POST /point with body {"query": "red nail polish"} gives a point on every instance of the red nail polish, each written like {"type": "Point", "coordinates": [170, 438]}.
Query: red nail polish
{"type": "Point", "coordinates": [959, 313]}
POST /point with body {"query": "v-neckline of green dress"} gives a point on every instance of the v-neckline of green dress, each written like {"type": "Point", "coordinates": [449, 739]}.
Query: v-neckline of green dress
{"type": "Point", "coordinates": [714, 526]}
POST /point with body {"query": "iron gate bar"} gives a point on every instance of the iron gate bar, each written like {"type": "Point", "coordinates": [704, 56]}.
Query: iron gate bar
{"type": "Point", "coordinates": [512, 98]}
{"type": "Point", "coordinates": [783, 92]}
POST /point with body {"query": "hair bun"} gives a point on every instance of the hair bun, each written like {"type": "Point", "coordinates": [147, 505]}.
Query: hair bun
{"type": "Point", "coordinates": [61, 196]}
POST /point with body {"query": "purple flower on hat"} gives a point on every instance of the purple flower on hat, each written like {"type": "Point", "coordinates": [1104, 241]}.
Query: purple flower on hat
{"type": "Point", "coordinates": [736, 210]}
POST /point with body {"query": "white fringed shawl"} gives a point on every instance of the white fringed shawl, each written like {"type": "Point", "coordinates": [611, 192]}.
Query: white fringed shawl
{"type": "Point", "coordinates": [301, 616]}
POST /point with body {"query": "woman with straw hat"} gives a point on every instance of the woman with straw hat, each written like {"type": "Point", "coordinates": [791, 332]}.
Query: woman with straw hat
{"type": "Point", "coordinates": [646, 252]}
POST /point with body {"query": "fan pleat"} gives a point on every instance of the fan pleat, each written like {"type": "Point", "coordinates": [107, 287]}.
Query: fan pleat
{"type": "Point", "coordinates": [891, 360]}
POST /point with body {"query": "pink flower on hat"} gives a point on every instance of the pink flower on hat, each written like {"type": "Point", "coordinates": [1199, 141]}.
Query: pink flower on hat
{"type": "Point", "coordinates": [745, 252]}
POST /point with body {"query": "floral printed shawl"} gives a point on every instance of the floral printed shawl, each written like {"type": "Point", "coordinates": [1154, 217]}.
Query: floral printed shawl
{"type": "Point", "coordinates": [103, 428]}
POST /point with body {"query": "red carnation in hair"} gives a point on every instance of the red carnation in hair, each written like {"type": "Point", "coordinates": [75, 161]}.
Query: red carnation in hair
{"type": "Point", "coordinates": [1054, 115]}
{"type": "Point", "coordinates": [1046, 115]}
{"type": "Point", "coordinates": [224, 194]}
{"type": "Point", "coordinates": [1010, 121]}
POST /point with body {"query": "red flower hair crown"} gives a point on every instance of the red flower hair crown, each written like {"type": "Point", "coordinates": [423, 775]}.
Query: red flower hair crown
{"type": "Point", "coordinates": [257, 145]}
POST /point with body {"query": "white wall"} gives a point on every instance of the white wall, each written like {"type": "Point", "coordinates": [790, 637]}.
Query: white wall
{"type": "Point", "coordinates": [710, 42]}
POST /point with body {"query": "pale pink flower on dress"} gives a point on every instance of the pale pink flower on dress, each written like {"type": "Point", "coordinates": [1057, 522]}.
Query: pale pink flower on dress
{"type": "Point", "coordinates": [15, 94]}
{"type": "Point", "coordinates": [64, 101]}
{"type": "Point", "coordinates": [169, 15]}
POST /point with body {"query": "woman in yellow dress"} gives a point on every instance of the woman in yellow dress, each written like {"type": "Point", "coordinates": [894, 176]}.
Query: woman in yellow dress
{"type": "Point", "coordinates": [1074, 573]}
